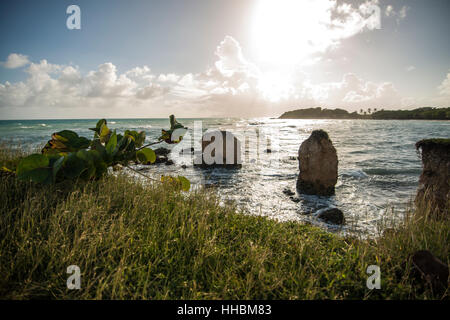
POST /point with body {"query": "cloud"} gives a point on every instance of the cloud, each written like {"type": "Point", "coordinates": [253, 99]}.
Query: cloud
{"type": "Point", "coordinates": [232, 86]}
{"type": "Point", "coordinates": [299, 30]}
{"type": "Point", "coordinates": [49, 85]}
{"type": "Point", "coordinates": [389, 11]}
{"type": "Point", "coordinates": [398, 15]}
{"type": "Point", "coordinates": [15, 60]}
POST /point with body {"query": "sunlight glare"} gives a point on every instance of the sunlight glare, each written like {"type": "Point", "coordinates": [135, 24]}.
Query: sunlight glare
{"type": "Point", "coordinates": [285, 32]}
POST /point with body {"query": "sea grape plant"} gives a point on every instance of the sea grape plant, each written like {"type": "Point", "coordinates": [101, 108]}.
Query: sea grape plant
{"type": "Point", "coordinates": [69, 156]}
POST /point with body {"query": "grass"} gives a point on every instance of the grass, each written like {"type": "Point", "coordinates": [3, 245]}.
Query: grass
{"type": "Point", "coordinates": [135, 241]}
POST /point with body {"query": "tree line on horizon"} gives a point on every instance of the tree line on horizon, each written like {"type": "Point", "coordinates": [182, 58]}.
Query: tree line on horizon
{"type": "Point", "coordinates": [425, 113]}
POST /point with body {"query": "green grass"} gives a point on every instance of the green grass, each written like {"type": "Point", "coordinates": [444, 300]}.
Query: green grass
{"type": "Point", "coordinates": [135, 241]}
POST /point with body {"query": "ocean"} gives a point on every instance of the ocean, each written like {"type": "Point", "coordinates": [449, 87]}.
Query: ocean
{"type": "Point", "coordinates": [379, 167]}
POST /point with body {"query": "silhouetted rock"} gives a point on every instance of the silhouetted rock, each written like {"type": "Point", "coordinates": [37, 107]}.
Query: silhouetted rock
{"type": "Point", "coordinates": [333, 215]}
{"type": "Point", "coordinates": [318, 164]}
{"type": "Point", "coordinates": [288, 192]}
{"type": "Point", "coordinates": [431, 269]}
{"type": "Point", "coordinates": [162, 151]}
{"type": "Point", "coordinates": [434, 181]}
{"type": "Point", "coordinates": [225, 151]}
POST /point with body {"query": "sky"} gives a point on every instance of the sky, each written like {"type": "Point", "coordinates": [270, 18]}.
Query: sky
{"type": "Point", "coordinates": [221, 58]}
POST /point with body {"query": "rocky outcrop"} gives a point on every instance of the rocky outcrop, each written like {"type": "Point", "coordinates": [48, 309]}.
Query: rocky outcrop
{"type": "Point", "coordinates": [220, 148]}
{"type": "Point", "coordinates": [430, 269]}
{"type": "Point", "coordinates": [162, 155]}
{"type": "Point", "coordinates": [434, 182]}
{"type": "Point", "coordinates": [333, 215]}
{"type": "Point", "coordinates": [318, 164]}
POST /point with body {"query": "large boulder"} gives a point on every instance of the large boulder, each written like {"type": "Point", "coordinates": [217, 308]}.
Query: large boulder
{"type": "Point", "coordinates": [332, 215]}
{"type": "Point", "coordinates": [434, 182]}
{"type": "Point", "coordinates": [430, 268]}
{"type": "Point", "coordinates": [220, 148]}
{"type": "Point", "coordinates": [318, 164]}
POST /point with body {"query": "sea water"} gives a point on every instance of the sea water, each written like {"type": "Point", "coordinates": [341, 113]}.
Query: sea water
{"type": "Point", "coordinates": [379, 167]}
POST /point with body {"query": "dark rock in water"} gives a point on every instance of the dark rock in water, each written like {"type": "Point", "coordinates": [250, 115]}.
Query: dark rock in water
{"type": "Point", "coordinates": [162, 155]}
{"type": "Point", "coordinates": [219, 149]}
{"type": "Point", "coordinates": [169, 162]}
{"type": "Point", "coordinates": [161, 159]}
{"type": "Point", "coordinates": [318, 165]}
{"type": "Point", "coordinates": [162, 151]}
{"type": "Point", "coordinates": [434, 182]}
{"type": "Point", "coordinates": [269, 150]}
{"type": "Point", "coordinates": [294, 199]}
{"type": "Point", "coordinates": [184, 166]}
{"type": "Point", "coordinates": [293, 158]}
{"type": "Point", "coordinates": [431, 269]}
{"type": "Point", "coordinates": [288, 192]}
{"type": "Point", "coordinates": [333, 215]}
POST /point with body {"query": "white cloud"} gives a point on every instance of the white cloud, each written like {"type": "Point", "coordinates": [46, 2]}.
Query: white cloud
{"type": "Point", "coordinates": [389, 11]}
{"type": "Point", "coordinates": [15, 60]}
{"type": "Point", "coordinates": [169, 77]}
{"type": "Point", "coordinates": [353, 93]}
{"type": "Point", "coordinates": [233, 86]}
{"type": "Point", "coordinates": [410, 68]}
{"type": "Point", "coordinates": [398, 15]}
{"type": "Point", "coordinates": [300, 29]}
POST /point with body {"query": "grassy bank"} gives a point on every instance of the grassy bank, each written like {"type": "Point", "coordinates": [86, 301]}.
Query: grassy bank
{"type": "Point", "coordinates": [151, 242]}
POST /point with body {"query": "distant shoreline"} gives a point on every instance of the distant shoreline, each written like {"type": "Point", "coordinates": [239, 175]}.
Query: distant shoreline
{"type": "Point", "coordinates": [427, 113]}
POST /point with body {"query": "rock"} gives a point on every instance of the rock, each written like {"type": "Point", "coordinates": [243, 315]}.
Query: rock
{"type": "Point", "coordinates": [294, 199]}
{"type": "Point", "coordinates": [333, 215]}
{"type": "Point", "coordinates": [288, 192]}
{"type": "Point", "coordinates": [169, 162]}
{"type": "Point", "coordinates": [269, 150]}
{"type": "Point", "coordinates": [434, 182]}
{"type": "Point", "coordinates": [220, 148]}
{"type": "Point", "coordinates": [318, 164]}
{"type": "Point", "coordinates": [162, 151]}
{"type": "Point", "coordinates": [433, 270]}
{"type": "Point", "coordinates": [161, 159]}
{"type": "Point", "coordinates": [184, 166]}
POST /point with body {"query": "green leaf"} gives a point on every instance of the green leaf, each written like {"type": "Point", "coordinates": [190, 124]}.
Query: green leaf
{"type": "Point", "coordinates": [166, 135]}
{"type": "Point", "coordinates": [99, 125]}
{"type": "Point", "coordinates": [112, 143]}
{"type": "Point", "coordinates": [185, 183]}
{"type": "Point", "coordinates": [57, 165]}
{"type": "Point", "coordinates": [179, 182]}
{"type": "Point", "coordinates": [146, 156]}
{"type": "Point", "coordinates": [36, 168]}
{"type": "Point", "coordinates": [65, 141]}
{"type": "Point", "coordinates": [74, 166]}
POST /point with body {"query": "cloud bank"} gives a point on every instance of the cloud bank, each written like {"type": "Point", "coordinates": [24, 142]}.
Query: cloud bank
{"type": "Point", "coordinates": [232, 86]}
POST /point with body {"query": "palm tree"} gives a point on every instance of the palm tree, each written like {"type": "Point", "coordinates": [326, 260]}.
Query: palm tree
{"type": "Point", "coordinates": [369, 110]}
{"type": "Point", "coordinates": [361, 111]}
{"type": "Point", "coordinates": [374, 109]}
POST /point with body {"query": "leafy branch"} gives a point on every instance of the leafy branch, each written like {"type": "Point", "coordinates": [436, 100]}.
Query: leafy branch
{"type": "Point", "coordinates": [68, 156]}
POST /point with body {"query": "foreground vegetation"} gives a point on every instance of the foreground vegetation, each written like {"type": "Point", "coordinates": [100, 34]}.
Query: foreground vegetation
{"type": "Point", "coordinates": [153, 241]}
{"type": "Point", "coordinates": [427, 113]}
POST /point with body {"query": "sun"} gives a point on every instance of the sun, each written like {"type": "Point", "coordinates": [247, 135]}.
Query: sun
{"type": "Point", "coordinates": [285, 32]}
